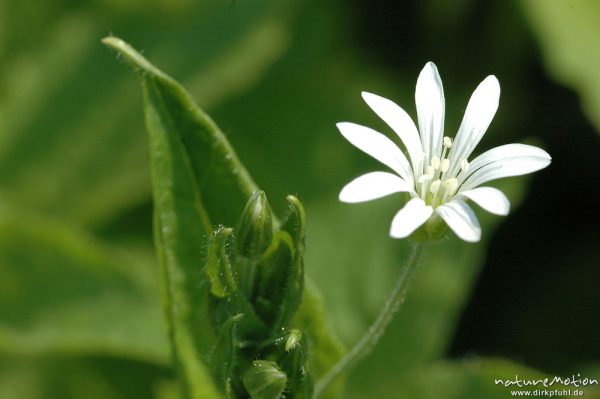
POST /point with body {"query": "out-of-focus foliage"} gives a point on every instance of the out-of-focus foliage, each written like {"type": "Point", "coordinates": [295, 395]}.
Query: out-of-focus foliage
{"type": "Point", "coordinates": [72, 136]}
{"type": "Point", "coordinates": [80, 315]}
{"type": "Point", "coordinates": [569, 32]}
{"type": "Point", "coordinates": [61, 291]}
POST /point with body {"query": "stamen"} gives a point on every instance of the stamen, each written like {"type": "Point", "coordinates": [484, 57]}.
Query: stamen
{"type": "Point", "coordinates": [435, 162]}
{"type": "Point", "coordinates": [420, 159]}
{"type": "Point", "coordinates": [450, 185]}
{"type": "Point", "coordinates": [435, 186]}
{"type": "Point", "coordinates": [447, 142]}
{"type": "Point", "coordinates": [445, 165]}
{"type": "Point", "coordinates": [430, 171]}
{"type": "Point", "coordinates": [424, 178]}
{"type": "Point", "coordinates": [464, 165]}
{"type": "Point", "coordinates": [423, 181]}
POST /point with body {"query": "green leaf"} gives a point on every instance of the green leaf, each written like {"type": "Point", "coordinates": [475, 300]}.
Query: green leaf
{"type": "Point", "coordinates": [568, 32]}
{"type": "Point", "coordinates": [222, 185]}
{"type": "Point", "coordinates": [188, 154]}
{"type": "Point", "coordinates": [64, 292]}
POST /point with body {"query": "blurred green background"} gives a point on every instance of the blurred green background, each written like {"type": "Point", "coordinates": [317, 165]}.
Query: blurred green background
{"type": "Point", "coordinates": [80, 315]}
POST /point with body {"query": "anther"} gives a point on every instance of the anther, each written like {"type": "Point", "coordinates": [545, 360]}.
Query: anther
{"type": "Point", "coordinates": [435, 162]}
{"type": "Point", "coordinates": [464, 165]}
{"type": "Point", "coordinates": [447, 142]}
{"type": "Point", "coordinates": [445, 165]}
{"type": "Point", "coordinates": [451, 184]}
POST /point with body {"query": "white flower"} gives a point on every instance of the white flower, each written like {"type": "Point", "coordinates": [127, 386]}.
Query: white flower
{"type": "Point", "coordinates": [439, 177]}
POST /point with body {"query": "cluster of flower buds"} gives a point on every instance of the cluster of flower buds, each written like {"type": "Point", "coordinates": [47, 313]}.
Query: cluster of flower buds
{"type": "Point", "coordinates": [256, 275]}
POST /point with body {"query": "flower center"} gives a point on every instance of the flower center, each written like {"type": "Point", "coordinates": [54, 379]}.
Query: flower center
{"type": "Point", "coordinates": [434, 186]}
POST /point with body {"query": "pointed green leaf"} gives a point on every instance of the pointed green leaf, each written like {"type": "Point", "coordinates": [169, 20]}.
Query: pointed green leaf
{"type": "Point", "coordinates": [197, 181]}
{"type": "Point", "coordinates": [222, 184]}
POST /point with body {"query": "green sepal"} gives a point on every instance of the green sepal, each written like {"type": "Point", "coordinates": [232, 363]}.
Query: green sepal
{"type": "Point", "coordinates": [218, 267]}
{"type": "Point", "coordinates": [226, 299]}
{"type": "Point", "coordinates": [433, 230]}
{"type": "Point", "coordinates": [295, 363]}
{"type": "Point", "coordinates": [225, 356]}
{"type": "Point", "coordinates": [295, 221]}
{"type": "Point", "coordinates": [294, 285]}
{"type": "Point", "coordinates": [273, 270]}
{"type": "Point", "coordinates": [265, 380]}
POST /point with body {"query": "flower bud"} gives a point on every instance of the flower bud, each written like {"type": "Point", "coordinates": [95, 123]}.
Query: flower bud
{"type": "Point", "coordinates": [255, 230]}
{"type": "Point", "coordinates": [264, 380]}
{"type": "Point", "coordinates": [295, 363]}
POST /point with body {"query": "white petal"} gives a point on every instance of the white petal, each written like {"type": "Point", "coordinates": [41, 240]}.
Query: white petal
{"type": "Point", "coordinates": [373, 185]}
{"type": "Point", "coordinates": [409, 218]}
{"type": "Point", "coordinates": [504, 161]}
{"type": "Point", "coordinates": [399, 121]}
{"type": "Point", "coordinates": [460, 218]}
{"type": "Point", "coordinates": [479, 114]}
{"type": "Point", "coordinates": [490, 199]}
{"type": "Point", "coordinates": [429, 97]}
{"type": "Point", "coordinates": [504, 152]}
{"type": "Point", "coordinates": [378, 146]}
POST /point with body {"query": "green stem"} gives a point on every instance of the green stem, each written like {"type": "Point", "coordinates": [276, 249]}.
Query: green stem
{"type": "Point", "coordinates": [369, 340]}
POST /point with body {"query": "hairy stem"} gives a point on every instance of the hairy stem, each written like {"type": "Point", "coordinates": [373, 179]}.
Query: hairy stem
{"type": "Point", "coordinates": [369, 340]}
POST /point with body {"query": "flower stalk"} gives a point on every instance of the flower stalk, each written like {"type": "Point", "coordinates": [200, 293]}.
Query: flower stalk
{"type": "Point", "coordinates": [376, 330]}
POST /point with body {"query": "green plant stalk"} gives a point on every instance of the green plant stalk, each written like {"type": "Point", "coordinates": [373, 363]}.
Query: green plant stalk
{"type": "Point", "coordinates": [371, 337]}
